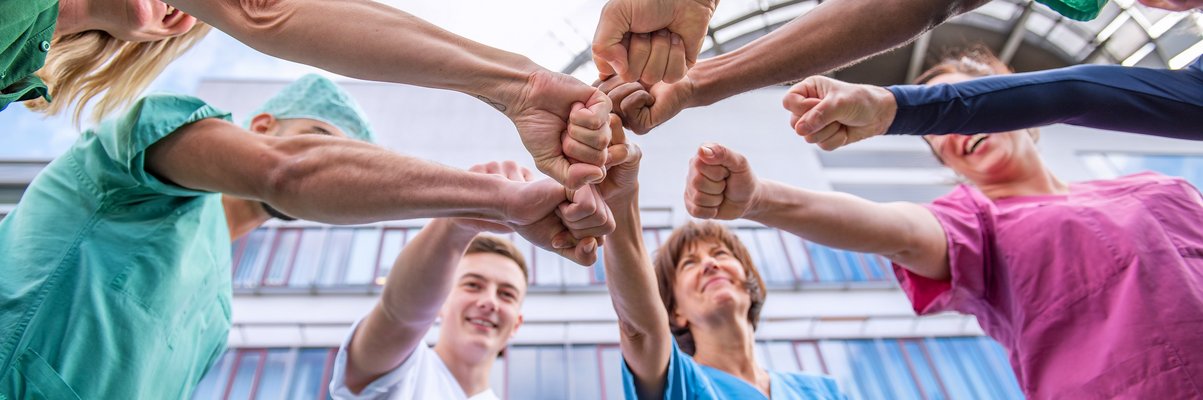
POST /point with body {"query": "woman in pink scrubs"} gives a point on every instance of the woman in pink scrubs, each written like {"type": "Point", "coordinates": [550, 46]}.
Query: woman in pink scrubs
{"type": "Point", "coordinates": [1095, 288]}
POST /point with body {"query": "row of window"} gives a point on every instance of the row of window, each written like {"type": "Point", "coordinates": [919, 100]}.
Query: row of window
{"type": "Point", "coordinates": [317, 257]}
{"type": "Point", "coordinates": [933, 368]}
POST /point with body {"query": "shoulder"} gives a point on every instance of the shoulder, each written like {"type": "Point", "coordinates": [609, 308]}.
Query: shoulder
{"type": "Point", "coordinates": [963, 203]}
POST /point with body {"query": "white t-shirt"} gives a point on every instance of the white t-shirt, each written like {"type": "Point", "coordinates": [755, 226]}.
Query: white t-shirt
{"type": "Point", "coordinates": [421, 376]}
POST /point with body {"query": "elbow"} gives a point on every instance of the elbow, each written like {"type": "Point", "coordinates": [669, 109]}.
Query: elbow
{"type": "Point", "coordinates": [942, 10]}
{"type": "Point", "coordinates": [263, 17]}
{"type": "Point", "coordinates": [287, 169]}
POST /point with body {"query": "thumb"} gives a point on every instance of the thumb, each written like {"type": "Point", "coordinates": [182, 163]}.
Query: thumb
{"type": "Point", "coordinates": [828, 110]}
{"type": "Point", "coordinates": [717, 154]}
{"type": "Point", "coordinates": [584, 253]}
{"type": "Point", "coordinates": [572, 175]}
{"type": "Point", "coordinates": [609, 53]}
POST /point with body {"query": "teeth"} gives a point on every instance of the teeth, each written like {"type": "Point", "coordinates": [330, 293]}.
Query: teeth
{"type": "Point", "coordinates": [482, 322]}
{"type": "Point", "coordinates": [977, 140]}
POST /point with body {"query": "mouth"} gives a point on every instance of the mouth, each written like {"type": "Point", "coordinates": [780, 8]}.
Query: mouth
{"type": "Point", "coordinates": [482, 323]}
{"type": "Point", "coordinates": [171, 15]}
{"type": "Point", "coordinates": [713, 281]}
{"type": "Point", "coordinates": [975, 142]}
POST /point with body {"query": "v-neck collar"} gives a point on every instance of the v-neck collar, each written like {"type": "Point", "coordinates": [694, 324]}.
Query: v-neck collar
{"type": "Point", "coordinates": [728, 376]}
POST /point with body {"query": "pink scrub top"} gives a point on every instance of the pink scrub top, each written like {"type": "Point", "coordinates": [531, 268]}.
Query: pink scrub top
{"type": "Point", "coordinates": [1095, 294]}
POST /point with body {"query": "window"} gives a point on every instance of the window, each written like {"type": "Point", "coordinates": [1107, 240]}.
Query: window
{"type": "Point", "coordinates": [268, 374]}
{"type": "Point", "coordinates": [932, 368]}
{"type": "Point", "coordinates": [361, 257]}
{"type": "Point", "coordinates": [1112, 165]}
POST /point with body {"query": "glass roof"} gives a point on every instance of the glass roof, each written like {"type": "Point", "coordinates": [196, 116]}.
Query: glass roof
{"type": "Point", "coordinates": [557, 34]}
{"type": "Point", "coordinates": [1124, 33]}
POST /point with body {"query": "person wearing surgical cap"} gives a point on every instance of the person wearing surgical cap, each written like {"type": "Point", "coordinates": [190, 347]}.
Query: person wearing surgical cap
{"type": "Point", "coordinates": [116, 262]}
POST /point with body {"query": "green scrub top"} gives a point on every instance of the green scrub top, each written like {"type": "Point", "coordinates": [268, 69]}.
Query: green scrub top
{"type": "Point", "coordinates": [1081, 10]}
{"type": "Point", "coordinates": [115, 284]}
{"type": "Point", "coordinates": [25, 32]}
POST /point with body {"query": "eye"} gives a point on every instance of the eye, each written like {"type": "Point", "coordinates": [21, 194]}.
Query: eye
{"type": "Point", "coordinates": [508, 295]}
{"type": "Point", "coordinates": [472, 285]}
{"type": "Point", "coordinates": [686, 263]}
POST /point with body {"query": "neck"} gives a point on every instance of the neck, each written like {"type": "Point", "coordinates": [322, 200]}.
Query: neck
{"type": "Point", "coordinates": [471, 374]}
{"type": "Point", "coordinates": [75, 16]}
{"type": "Point", "coordinates": [1036, 180]}
{"type": "Point", "coordinates": [242, 216]}
{"type": "Point", "coordinates": [729, 346]}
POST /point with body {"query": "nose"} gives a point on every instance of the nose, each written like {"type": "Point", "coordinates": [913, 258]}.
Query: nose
{"type": "Point", "coordinates": [487, 302]}
{"type": "Point", "coordinates": [709, 265]}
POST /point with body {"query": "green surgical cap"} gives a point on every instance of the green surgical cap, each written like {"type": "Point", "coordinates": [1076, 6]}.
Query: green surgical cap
{"type": "Point", "coordinates": [1081, 10]}
{"type": "Point", "coordinates": [315, 97]}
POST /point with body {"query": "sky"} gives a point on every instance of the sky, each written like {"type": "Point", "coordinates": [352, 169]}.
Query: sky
{"type": "Point", "coordinates": [550, 32]}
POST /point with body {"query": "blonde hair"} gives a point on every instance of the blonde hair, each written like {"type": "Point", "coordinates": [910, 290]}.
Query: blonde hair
{"type": "Point", "coordinates": [83, 66]}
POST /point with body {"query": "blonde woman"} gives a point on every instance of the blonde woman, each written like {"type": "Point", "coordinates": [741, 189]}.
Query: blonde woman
{"type": "Point", "coordinates": [77, 51]}
{"type": "Point", "coordinates": [136, 38]}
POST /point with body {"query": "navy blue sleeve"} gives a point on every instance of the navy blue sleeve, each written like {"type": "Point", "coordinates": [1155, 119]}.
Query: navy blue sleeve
{"type": "Point", "coordinates": [1139, 100]}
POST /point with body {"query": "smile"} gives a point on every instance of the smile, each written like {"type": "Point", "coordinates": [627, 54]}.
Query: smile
{"type": "Point", "coordinates": [482, 323]}
{"type": "Point", "coordinates": [974, 143]}
{"type": "Point", "coordinates": [714, 281]}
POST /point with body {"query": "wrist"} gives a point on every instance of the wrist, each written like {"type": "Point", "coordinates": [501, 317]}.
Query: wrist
{"type": "Point", "coordinates": [509, 86]}
{"type": "Point", "coordinates": [702, 78]}
{"type": "Point", "coordinates": [454, 231]}
{"type": "Point", "coordinates": [887, 106]}
{"type": "Point", "coordinates": [762, 202]}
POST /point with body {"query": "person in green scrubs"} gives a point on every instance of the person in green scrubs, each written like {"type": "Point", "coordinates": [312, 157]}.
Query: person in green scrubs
{"type": "Point", "coordinates": [116, 262]}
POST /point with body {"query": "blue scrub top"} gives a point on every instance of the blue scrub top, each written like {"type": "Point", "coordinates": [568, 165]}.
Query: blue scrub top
{"type": "Point", "coordinates": [686, 379]}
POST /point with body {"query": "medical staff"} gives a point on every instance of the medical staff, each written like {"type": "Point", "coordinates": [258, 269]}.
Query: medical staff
{"type": "Point", "coordinates": [1150, 101]}
{"type": "Point", "coordinates": [687, 319]}
{"type": "Point", "coordinates": [474, 284]}
{"type": "Point", "coordinates": [75, 51]}
{"type": "Point", "coordinates": [383, 44]}
{"type": "Point", "coordinates": [830, 36]}
{"type": "Point", "coordinates": [1094, 288]}
{"type": "Point", "coordinates": [116, 261]}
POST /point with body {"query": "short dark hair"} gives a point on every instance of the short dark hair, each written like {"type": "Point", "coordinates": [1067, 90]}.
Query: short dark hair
{"type": "Point", "coordinates": [491, 244]}
{"type": "Point", "coordinates": [666, 271]}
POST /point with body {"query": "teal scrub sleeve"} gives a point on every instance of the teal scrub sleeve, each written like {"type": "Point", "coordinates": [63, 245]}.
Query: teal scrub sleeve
{"type": "Point", "coordinates": [26, 29]}
{"type": "Point", "coordinates": [148, 121]}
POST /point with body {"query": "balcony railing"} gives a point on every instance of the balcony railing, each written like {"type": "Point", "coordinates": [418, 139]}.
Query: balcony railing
{"type": "Point", "coordinates": [325, 258]}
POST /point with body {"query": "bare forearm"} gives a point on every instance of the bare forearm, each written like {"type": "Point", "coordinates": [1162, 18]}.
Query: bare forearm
{"type": "Point", "coordinates": [834, 34]}
{"type": "Point", "coordinates": [632, 284]}
{"type": "Point", "coordinates": [629, 274]}
{"type": "Point", "coordinates": [417, 286]}
{"type": "Point", "coordinates": [345, 182]}
{"type": "Point", "coordinates": [368, 40]}
{"type": "Point", "coordinates": [843, 221]}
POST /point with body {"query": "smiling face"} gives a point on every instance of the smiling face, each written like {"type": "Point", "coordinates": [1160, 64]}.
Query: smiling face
{"type": "Point", "coordinates": [710, 283]}
{"type": "Point", "coordinates": [482, 313]}
{"type": "Point", "coordinates": [145, 20]}
{"type": "Point", "coordinates": [984, 158]}
{"type": "Point", "coordinates": [706, 277]}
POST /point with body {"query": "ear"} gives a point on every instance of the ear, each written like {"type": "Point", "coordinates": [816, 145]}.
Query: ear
{"type": "Point", "coordinates": [517, 324]}
{"type": "Point", "coordinates": [678, 320]}
{"type": "Point", "coordinates": [264, 123]}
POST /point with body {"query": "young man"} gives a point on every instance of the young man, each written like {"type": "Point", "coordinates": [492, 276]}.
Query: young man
{"type": "Point", "coordinates": [473, 283]}
{"type": "Point", "coordinates": [116, 261]}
